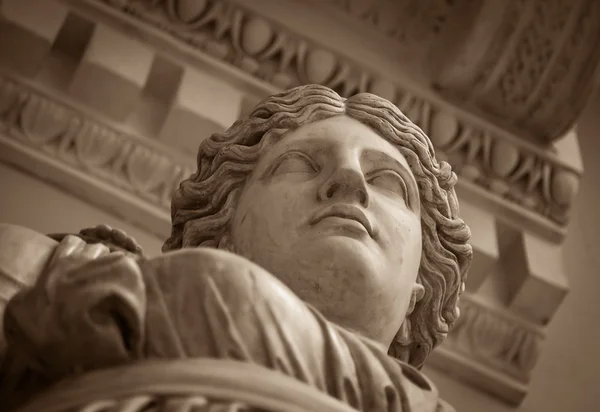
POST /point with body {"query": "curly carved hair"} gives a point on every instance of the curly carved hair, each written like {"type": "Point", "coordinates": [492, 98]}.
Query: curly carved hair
{"type": "Point", "coordinates": [204, 205]}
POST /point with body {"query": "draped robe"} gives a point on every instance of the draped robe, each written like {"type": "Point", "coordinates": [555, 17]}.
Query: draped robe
{"type": "Point", "coordinates": [196, 303]}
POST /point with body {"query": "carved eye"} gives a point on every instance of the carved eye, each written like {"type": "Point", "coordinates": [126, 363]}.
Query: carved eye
{"type": "Point", "coordinates": [389, 181]}
{"type": "Point", "coordinates": [295, 163]}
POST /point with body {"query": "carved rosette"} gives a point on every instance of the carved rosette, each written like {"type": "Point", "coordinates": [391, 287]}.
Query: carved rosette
{"type": "Point", "coordinates": [36, 120]}
{"type": "Point", "coordinates": [505, 167]}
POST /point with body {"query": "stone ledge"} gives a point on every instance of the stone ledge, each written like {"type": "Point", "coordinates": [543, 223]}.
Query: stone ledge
{"type": "Point", "coordinates": [521, 183]}
{"type": "Point", "coordinates": [131, 176]}
{"type": "Point", "coordinates": [490, 348]}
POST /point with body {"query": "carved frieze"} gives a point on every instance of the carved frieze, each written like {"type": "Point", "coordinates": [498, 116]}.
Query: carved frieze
{"type": "Point", "coordinates": [490, 348]}
{"type": "Point", "coordinates": [505, 167]}
{"type": "Point", "coordinates": [36, 120]}
{"type": "Point", "coordinates": [515, 174]}
{"type": "Point", "coordinates": [497, 338]}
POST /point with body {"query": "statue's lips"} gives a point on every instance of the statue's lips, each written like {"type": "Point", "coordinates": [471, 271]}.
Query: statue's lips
{"type": "Point", "coordinates": [345, 212]}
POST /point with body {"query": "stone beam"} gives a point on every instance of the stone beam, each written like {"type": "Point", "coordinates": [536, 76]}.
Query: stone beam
{"type": "Point", "coordinates": [28, 29]}
{"type": "Point", "coordinates": [203, 105]}
{"type": "Point", "coordinates": [534, 275]}
{"type": "Point", "coordinates": [112, 73]}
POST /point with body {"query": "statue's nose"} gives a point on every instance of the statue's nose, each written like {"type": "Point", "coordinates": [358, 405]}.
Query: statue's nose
{"type": "Point", "coordinates": [346, 184]}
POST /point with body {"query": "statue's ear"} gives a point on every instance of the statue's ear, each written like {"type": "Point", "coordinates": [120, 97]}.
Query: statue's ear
{"type": "Point", "coordinates": [416, 295]}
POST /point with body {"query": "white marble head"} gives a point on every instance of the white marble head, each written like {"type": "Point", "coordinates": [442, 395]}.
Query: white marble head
{"type": "Point", "coordinates": [343, 200]}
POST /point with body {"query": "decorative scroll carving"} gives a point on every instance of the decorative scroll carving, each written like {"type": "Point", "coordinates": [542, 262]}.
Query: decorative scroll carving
{"type": "Point", "coordinates": [38, 121]}
{"type": "Point", "coordinates": [496, 338]}
{"type": "Point", "coordinates": [507, 168]}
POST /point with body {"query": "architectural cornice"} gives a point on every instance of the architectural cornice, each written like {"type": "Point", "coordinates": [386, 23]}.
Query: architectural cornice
{"type": "Point", "coordinates": [132, 176]}
{"type": "Point", "coordinates": [514, 62]}
{"type": "Point", "coordinates": [490, 348]}
{"type": "Point", "coordinates": [497, 338]}
{"type": "Point", "coordinates": [517, 180]}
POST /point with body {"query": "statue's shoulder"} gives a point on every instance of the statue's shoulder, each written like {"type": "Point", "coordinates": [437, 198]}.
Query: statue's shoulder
{"type": "Point", "coordinates": [23, 255]}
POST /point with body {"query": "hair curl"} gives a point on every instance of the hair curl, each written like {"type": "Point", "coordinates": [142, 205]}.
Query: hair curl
{"type": "Point", "coordinates": [204, 205]}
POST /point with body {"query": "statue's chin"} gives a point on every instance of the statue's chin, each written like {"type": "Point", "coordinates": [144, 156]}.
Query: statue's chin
{"type": "Point", "coordinates": [341, 273]}
{"type": "Point", "coordinates": [343, 288]}
{"type": "Point", "coordinates": [359, 258]}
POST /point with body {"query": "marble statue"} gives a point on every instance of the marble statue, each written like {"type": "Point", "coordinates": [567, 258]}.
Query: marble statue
{"type": "Point", "coordinates": [316, 258]}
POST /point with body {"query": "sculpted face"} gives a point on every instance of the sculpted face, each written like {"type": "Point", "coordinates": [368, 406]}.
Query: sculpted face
{"type": "Point", "coordinates": [332, 209]}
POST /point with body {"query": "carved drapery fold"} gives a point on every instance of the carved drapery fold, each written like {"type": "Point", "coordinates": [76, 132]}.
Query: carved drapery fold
{"type": "Point", "coordinates": [184, 385]}
{"type": "Point", "coordinates": [115, 310]}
